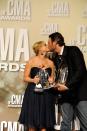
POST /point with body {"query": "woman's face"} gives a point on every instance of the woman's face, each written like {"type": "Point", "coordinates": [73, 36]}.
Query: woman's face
{"type": "Point", "coordinates": [43, 50]}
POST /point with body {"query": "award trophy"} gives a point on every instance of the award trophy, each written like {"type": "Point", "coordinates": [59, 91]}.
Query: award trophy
{"type": "Point", "coordinates": [43, 83]}
{"type": "Point", "coordinates": [63, 74]}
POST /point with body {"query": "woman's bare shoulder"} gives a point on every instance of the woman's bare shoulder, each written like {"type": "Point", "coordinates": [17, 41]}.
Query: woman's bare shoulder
{"type": "Point", "coordinates": [31, 59]}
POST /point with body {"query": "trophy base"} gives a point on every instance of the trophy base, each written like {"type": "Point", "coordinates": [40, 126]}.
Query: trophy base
{"type": "Point", "coordinates": [38, 90]}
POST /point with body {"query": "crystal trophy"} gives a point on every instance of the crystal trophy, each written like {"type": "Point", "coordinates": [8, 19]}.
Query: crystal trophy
{"type": "Point", "coordinates": [63, 74]}
{"type": "Point", "coordinates": [43, 83]}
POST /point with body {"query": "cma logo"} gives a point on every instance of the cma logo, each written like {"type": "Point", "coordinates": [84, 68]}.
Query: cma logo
{"type": "Point", "coordinates": [81, 38]}
{"type": "Point", "coordinates": [82, 35]}
{"type": "Point", "coordinates": [49, 28]}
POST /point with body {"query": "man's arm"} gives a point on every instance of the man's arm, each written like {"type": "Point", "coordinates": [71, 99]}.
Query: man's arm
{"type": "Point", "coordinates": [79, 67]}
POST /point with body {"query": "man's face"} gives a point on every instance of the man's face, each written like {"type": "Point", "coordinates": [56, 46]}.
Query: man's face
{"type": "Point", "coordinates": [51, 45]}
{"type": "Point", "coordinates": [57, 48]}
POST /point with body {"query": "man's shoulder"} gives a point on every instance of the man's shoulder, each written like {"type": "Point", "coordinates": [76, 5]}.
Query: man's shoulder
{"type": "Point", "coordinates": [73, 48]}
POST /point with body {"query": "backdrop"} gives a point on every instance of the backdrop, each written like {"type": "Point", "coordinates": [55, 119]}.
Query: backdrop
{"type": "Point", "coordinates": [23, 22]}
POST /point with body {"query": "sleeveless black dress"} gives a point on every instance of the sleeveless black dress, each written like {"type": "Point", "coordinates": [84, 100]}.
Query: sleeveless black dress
{"type": "Point", "coordinates": [38, 108]}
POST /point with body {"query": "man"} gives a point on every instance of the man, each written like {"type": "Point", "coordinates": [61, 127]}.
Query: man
{"type": "Point", "coordinates": [74, 91]}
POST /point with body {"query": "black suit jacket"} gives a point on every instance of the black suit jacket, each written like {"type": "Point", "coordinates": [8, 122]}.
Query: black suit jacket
{"type": "Point", "coordinates": [77, 74]}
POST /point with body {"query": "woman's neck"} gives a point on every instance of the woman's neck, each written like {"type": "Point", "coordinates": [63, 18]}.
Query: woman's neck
{"type": "Point", "coordinates": [41, 56]}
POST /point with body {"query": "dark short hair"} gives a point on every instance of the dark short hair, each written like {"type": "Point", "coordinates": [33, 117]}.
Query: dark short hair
{"type": "Point", "coordinates": [58, 38]}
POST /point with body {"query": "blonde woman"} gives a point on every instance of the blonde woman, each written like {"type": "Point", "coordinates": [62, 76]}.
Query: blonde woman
{"type": "Point", "coordinates": [38, 108]}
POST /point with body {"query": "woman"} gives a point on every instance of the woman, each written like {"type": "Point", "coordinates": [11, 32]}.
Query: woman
{"type": "Point", "coordinates": [38, 107]}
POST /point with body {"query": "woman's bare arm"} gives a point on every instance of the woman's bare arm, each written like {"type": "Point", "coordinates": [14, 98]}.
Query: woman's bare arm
{"type": "Point", "coordinates": [27, 70]}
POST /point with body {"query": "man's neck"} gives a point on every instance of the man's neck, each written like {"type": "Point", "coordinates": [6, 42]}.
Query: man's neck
{"type": "Point", "coordinates": [61, 50]}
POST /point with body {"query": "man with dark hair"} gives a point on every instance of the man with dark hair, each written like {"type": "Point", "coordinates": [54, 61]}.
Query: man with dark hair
{"type": "Point", "coordinates": [58, 37]}
{"type": "Point", "coordinates": [74, 91]}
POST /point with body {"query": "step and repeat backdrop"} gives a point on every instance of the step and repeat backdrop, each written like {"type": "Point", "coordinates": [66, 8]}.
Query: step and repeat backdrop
{"type": "Point", "coordinates": [23, 22]}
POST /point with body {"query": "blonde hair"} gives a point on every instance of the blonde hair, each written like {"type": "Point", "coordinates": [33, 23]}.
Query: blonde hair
{"type": "Point", "coordinates": [37, 46]}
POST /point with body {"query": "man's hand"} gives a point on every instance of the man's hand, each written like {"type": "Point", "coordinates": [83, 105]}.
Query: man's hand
{"type": "Point", "coordinates": [61, 87]}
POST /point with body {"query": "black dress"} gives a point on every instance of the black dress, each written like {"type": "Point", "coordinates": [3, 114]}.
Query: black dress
{"type": "Point", "coordinates": [38, 108]}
